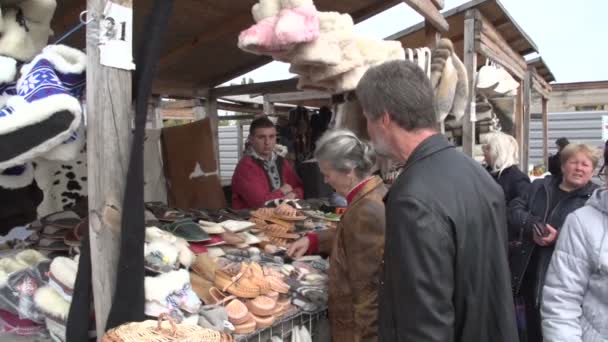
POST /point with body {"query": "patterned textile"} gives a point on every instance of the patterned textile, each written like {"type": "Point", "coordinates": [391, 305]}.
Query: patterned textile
{"type": "Point", "coordinates": [270, 166]}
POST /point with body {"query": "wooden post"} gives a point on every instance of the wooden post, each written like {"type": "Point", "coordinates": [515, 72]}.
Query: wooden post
{"type": "Point", "coordinates": [268, 107]}
{"type": "Point", "coordinates": [527, 99]}
{"type": "Point", "coordinates": [239, 140]}
{"type": "Point", "coordinates": [211, 113]}
{"type": "Point", "coordinates": [199, 112]}
{"type": "Point", "coordinates": [108, 145]}
{"type": "Point", "coordinates": [519, 121]}
{"type": "Point", "coordinates": [545, 132]}
{"type": "Point", "coordinates": [471, 36]}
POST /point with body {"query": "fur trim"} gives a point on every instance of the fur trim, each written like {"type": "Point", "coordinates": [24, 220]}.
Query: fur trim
{"type": "Point", "coordinates": [68, 150]}
{"type": "Point", "coordinates": [20, 181]}
{"type": "Point", "coordinates": [8, 69]}
{"type": "Point", "coordinates": [20, 44]}
{"type": "Point", "coordinates": [168, 250]}
{"type": "Point", "coordinates": [265, 9]}
{"type": "Point", "coordinates": [462, 88]}
{"type": "Point", "coordinates": [22, 117]}
{"type": "Point", "coordinates": [30, 257]}
{"type": "Point", "coordinates": [51, 303]}
{"type": "Point", "coordinates": [64, 270]}
{"type": "Point", "coordinates": [444, 95]}
{"type": "Point", "coordinates": [161, 286]}
{"type": "Point", "coordinates": [295, 3]}
{"type": "Point", "coordinates": [297, 25]}
{"type": "Point", "coordinates": [65, 59]}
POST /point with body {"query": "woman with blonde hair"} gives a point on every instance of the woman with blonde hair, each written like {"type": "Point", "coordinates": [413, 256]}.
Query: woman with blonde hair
{"type": "Point", "coordinates": [501, 156]}
{"type": "Point", "coordinates": [538, 217]}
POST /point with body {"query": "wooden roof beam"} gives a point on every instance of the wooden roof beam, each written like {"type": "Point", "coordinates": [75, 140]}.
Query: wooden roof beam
{"type": "Point", "coordinates": [257, 88]}
{"type": "Point", "coordinates": [297, 96]}
{"type": "Point", "coordinates": [430, 12]}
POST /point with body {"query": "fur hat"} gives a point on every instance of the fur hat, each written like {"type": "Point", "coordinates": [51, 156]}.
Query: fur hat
{"type": "Point", "coordinates": [26, 29]}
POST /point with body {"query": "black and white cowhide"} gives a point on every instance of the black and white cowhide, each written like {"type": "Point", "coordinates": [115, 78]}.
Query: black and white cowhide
{"type": "Point", "coordinates": [63, 183]}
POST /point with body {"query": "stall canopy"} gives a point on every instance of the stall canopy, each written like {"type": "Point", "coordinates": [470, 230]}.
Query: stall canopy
{"type": "Point", "coordinates": [200, 50]}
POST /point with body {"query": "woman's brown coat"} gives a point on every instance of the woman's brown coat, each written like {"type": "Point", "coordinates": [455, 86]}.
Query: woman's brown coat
{"type": "Point", "coordinates": [356, 248]}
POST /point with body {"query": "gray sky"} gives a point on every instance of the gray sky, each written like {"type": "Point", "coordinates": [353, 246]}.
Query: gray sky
{"type": "Point", "coordinates": [571, 35]}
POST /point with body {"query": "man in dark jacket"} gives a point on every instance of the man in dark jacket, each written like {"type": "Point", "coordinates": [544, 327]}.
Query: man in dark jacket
{"type": "Point", "coordinates": [555, 164]}
{"type": "Point", "coordinates": [445, 276]}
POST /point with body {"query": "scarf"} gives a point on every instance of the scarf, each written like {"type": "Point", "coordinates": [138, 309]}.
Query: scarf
{"type": "Point", "coordinates": [270, 166]}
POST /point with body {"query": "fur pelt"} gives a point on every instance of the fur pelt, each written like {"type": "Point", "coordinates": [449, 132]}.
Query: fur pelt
{"type": "Point", "coordinates": [462, 88]}
{"type": "Point", "coordinates": [376, 52]}
{"type": "Point", "coordinates": [161, 286]}
{"type": "Point", "coordinates": [24, 42]}
{"type": "Point", "coordinates": [349, 80]}
{"type": "Point", "coordinates": [260, 38]}
{"type": "Point", "coordinates": [299, 24]}
{"type": "Point", "coordinates": [50, 303]}
{"type": "Point", "coordinates": [350, 59]}
{"type": "Point", "coordinates": [265, 9]}
{"type": "Point", "coordinates": [446, 90]}
{"type": "Point", "coordinates": [439, 58]}
{"type": "Point", "coordinates": [184, 254]}
{"type": "Point", "coordinates": [350, 116]}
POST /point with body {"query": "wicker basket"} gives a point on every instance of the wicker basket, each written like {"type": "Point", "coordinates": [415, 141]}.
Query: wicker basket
{"type": "Point", "coordinates": [153, 331]}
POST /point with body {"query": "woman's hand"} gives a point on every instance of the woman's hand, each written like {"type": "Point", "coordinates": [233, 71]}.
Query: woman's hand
{"type": "Point", "coordinates": [298, 248]}
{"type": "Point", "coordinates": [547, 240]}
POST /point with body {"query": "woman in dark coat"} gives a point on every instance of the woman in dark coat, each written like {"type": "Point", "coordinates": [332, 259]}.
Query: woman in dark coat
{"type": "Point", "coordinates": [537, 217]}
{"type": "Point", "coordinates": [501, 156]}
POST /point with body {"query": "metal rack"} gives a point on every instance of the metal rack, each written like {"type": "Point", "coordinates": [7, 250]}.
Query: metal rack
{"type": "Point", "coordinates": [284, 327]}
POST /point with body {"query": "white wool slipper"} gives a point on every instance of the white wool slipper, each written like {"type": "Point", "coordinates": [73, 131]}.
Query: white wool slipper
{"type": "Point", "coordinates": [51, 304]}
{"type": "Point", "coordinates": [186, 257]}
{"type": "Point", "coordinates": [265, 9]}
{"type": "Point", "coordinates": [462, 88]}
{"type": "Point", "coordinates": [30, 257]}
{"type": "Point", "coordinates": [446, 90]}
{"type": "Point", "coordinates": [63, 276]}
{"type": "Point", "coordinates": [160, 287]}
{"type": "Point", "coordinates": [9, 181]}
{"type": "Point", "coordinates": [70, 149]}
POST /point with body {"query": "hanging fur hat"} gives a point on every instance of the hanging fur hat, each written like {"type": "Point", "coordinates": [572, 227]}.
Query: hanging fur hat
{"type": "Point", "coordinates": [26, 28]}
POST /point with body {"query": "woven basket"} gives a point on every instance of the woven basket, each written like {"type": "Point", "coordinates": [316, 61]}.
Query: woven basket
{"type": "Point", "coordinates": [153, 331]}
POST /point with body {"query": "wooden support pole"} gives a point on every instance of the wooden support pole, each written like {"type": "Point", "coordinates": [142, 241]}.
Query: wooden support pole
{"type": "Point", "coordinates": [471, 40]}
{"type": "Point", "coordinates": [211, 113]}
{"type": "Point", "coordinates": [108, 145]}
{"type": "Point", "coordinates": [527, 98]}
{"type": "Point", "coordinates": [545, 116]}
{"type": "Point", "coordinates": [268, 107]}
{"type": "Point", "coordinates": [518, 120]}
{"type": "Point", "coordinates": [430, 12]}
{"type": "Point", "coordinates": [239, 140]}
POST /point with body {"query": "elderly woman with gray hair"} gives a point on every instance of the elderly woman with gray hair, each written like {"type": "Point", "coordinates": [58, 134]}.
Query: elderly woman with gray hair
{"type": "Point", "coordinates": [357, 245]}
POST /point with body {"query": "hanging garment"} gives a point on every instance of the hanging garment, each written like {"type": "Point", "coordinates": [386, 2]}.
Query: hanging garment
{"type": "Point", "coordinates": [191, 167]}
{"type": "Point", "coordinates": [155, 184]}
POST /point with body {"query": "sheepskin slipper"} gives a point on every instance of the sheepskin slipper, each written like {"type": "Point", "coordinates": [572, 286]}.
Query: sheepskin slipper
{"type": "Point", "coordinates": [160, 256]}
{"type": "Point", "coordinates": [172, 290]}
{"type": "Point", "coordinates": [298, 22]}
{"type": "Point", "coordinates": [52, 304]}
{"type": "Point", "coordinates": [62, 276]}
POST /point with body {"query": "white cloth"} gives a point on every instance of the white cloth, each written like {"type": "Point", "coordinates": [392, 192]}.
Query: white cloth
{"type": "Point", "coordinates": [575, 296]}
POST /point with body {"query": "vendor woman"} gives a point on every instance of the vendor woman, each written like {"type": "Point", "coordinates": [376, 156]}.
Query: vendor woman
{"type": "Point", "coordinates": [261, 174]}
{"type": "Point", "coordinates": [356, 246]}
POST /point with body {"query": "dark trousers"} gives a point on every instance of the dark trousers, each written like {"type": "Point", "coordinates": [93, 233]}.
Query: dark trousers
{"type": "Point", "coordinates": [533, 328]}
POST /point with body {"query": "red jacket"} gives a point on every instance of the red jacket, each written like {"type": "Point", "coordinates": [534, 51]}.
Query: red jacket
{"type": "Point", "coordinates": [251, 186]}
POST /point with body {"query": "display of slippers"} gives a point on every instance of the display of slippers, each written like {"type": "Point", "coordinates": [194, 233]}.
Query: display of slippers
{"type": "Point", "coordinates": [62, 276]}
{"type": "Point", "coordinates": [187, 230]}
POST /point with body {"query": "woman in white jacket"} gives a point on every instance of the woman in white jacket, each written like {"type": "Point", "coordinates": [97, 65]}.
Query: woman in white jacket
{"type": "Point", "coordinates": [575, 296]}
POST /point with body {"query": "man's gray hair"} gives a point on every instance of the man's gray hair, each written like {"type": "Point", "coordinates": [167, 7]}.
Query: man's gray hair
{"type": "Point", "coordinates": [345, 152]}
{"type": "Point", "coordinates": [401, 89]}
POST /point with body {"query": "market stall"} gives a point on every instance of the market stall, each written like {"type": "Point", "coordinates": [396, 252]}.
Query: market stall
{"type": "Point", "coordinates": [62, 261]}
